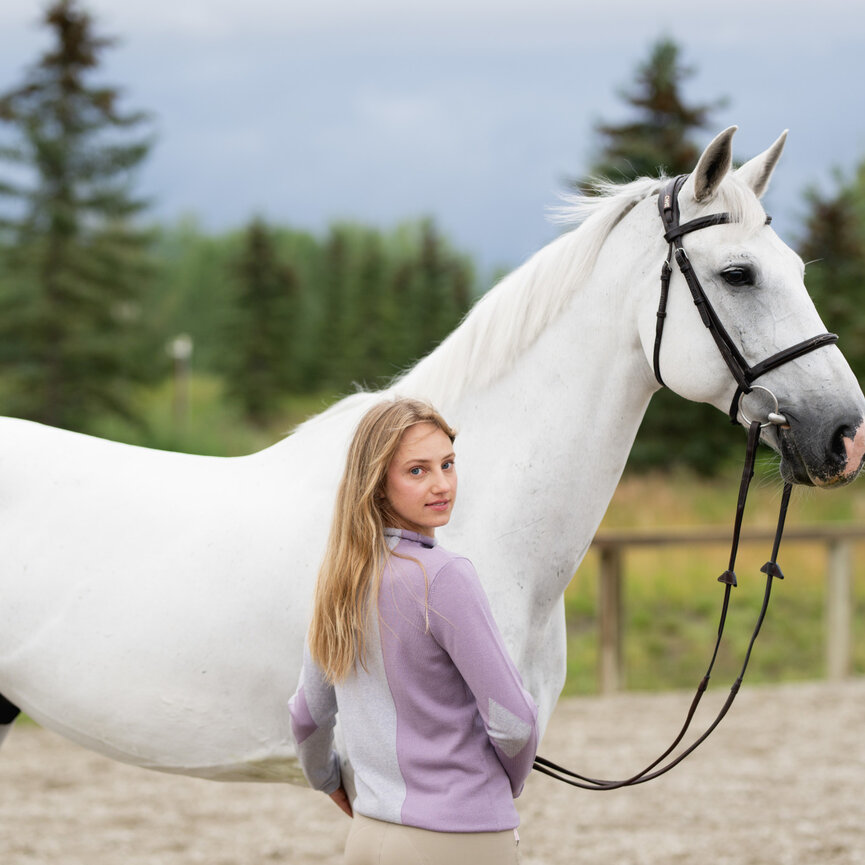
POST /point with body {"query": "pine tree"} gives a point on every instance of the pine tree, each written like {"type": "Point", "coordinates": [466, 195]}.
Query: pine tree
{"type": "Point", "coordinates": [74, 265]}
{"type": "Point", "coordinates": [335, 324]}
{"type": "Point", "coordinates": [372, 356]}
{"type": "Point", "coordinates": [834, 248]}
{"type": "Point", "coordinates": [439, 291]}
{"type": "Point", "coordinates": [388, 301]}
{"type": "Point", "coordinates": [659, 139]}
{"type": "Point", "coordinates": [261, 366]}
{"type": "Point", "coordinates": [659, 135]}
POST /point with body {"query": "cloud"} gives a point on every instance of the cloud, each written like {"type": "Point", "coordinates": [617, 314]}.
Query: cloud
{"type": "Point", "coordinates": [472, 110]}
{"type": "Point", "coordinates": [550, 23]}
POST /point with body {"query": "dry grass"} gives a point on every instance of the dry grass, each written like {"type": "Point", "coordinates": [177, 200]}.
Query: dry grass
{"type": "Point", "coordinates": [672, 597]}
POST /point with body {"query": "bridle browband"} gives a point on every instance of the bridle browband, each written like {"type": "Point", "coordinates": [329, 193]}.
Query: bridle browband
{"type": "Point", "coordinates": [744, 375]}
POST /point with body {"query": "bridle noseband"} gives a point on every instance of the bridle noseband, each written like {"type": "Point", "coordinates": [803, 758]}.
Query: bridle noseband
{"type": "Point", "coordinates": [744, 375]}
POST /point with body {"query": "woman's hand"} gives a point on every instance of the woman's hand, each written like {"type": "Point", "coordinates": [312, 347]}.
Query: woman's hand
{"type": "Point", "coordinates": [341, 798]}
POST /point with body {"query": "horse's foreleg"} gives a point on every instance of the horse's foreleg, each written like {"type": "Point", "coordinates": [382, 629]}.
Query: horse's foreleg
{"type": "Point", "coordinates": [8, 713]}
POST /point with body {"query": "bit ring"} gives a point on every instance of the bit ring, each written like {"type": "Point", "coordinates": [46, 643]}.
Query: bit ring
{"type": "Point", "coordinates": [773, 417]}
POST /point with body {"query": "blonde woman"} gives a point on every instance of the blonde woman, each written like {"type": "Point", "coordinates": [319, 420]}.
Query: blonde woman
{"type": "Point", "coordinates": [438, 727]}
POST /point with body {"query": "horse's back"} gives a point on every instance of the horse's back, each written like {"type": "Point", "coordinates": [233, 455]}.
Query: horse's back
{"type": "Point", "coordinates": [153, 604]}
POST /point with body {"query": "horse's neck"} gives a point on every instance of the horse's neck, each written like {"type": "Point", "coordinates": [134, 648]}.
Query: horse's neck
{"type": "Point", "coordinates": [542, 448]}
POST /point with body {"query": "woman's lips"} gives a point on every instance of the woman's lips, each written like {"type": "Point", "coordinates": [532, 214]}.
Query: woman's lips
{"type": "Point", "coordinates": [439, 506]}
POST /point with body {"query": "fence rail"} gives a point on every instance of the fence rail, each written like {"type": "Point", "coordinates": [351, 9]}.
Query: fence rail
{"type": "Point", "coordinates": [613, 545]}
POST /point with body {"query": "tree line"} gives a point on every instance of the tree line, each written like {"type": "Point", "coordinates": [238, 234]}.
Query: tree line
{"type": "Point", "coordinates": [275, 310]}
{"type": "Point", "coordinates": [89, 296]}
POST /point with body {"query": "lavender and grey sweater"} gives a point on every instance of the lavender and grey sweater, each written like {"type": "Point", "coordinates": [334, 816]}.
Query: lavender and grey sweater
{"type": "Point", "coordinates": [439, 729]}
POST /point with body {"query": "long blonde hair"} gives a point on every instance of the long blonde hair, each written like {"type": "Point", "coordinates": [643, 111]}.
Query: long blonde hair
{"type": "Point", "coordinates": [350, 574]}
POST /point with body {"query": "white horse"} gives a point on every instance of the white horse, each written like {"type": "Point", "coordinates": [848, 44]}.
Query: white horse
{"type": "Point", "coordinates": [153, 605]}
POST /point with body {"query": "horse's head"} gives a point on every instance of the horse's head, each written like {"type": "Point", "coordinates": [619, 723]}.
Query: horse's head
{"type": "Point", "coordinates": [756, 297]}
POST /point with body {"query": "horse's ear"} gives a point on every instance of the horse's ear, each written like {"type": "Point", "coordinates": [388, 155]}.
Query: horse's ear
{"type": "Point", "coordinates": [757, 172]}
{"type": "Point", "coordinates": [713, 165]}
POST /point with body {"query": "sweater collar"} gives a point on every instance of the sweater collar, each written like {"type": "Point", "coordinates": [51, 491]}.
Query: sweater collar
{"type": "Point", "coordinates": [415, 537]}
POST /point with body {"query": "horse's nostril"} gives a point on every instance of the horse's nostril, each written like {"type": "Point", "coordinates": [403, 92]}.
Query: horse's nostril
{"type": "Point", "coordinates": [837, 448]}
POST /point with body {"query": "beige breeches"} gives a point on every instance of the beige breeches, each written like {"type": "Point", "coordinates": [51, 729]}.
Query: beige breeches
{"type": "Point", "coordinates": [373, 842]}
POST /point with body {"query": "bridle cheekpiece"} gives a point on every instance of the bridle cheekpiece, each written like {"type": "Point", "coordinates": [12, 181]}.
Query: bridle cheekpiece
{"type": "Point", "coordinates": [743, 373]}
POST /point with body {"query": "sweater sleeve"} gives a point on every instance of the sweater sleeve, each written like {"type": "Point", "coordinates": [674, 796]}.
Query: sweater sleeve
{"type": "Point", "coordinates": [313, 716]}
{"type": "Point", "coordinates": [462, 623]}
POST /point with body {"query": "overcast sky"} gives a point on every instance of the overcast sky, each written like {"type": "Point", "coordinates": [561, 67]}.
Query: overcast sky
{"type": "Point", "coordinates": [472, 111]}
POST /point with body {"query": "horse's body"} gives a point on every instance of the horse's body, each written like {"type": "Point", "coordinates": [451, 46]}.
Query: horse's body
{"type": "Point", "coordinates": [153, 606]}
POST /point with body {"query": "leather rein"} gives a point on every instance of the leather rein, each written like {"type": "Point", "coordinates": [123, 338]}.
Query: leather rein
{"type": "Point", "coordinates": [744, 375]}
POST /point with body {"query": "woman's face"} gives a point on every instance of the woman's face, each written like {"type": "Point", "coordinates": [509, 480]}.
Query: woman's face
{"type": "Point", "coordinates": [421, 481]}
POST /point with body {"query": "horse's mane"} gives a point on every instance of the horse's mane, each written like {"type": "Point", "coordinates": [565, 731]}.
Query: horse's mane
{"type": "Point", "coordinates": [733, 196]}
{"type": "Point", "coordinates": [510, 316]}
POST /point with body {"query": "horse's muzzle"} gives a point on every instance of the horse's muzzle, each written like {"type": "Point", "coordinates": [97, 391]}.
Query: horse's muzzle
{"type": "Point", "coordinates": [830, 454]}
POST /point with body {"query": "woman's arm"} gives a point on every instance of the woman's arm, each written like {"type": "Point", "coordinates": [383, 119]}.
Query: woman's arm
{"type": "Point", "coordinates": [313, 715]}
{"type": "Point", "coordinates": [462, 623]}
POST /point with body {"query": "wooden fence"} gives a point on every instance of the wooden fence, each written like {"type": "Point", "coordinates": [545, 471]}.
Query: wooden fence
{"type": "Point", "coordinates": [612, 546]}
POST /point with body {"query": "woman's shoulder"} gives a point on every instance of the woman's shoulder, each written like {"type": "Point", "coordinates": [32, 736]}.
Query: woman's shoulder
{"type": "Point", "coordinates": [450, 563]}
{"type": "Point", "coordinates": [427, 552]}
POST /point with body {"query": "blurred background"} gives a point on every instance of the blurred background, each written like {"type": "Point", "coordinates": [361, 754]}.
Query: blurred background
{"type": "Point", "coordinates": [217, 218]}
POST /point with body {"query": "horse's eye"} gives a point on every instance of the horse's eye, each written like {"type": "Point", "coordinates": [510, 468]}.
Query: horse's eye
{"type": "Point", "coordinates": [738, 276]}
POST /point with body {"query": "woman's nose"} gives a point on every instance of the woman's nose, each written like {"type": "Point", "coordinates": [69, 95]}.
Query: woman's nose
{"type": "Point", "coordinates": [441, 481]}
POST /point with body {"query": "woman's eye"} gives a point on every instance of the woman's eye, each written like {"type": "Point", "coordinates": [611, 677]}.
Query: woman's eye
{"type": "Point", "coordinates": [738, 276]}
{"type": "Point", "coordinates": [447, 465]}
{"type": "Point", "coordinates": [416, 471]}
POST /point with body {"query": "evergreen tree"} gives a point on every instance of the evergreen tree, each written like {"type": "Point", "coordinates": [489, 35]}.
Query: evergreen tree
{"type": "Point", "coordinates": [441, 289]}
{"type": "Point", "coordinates": [430, 290]}
{"type": "Point", "coordinates": [370, 351]}
{"type": "Point", "coordinates": [196, 290]}
{"type": "Point", "coordinates": [74, 266]}
{"type": "Point", "coordinates": [388, 301]}
{"type": "Point", "coordinates": [261, 364]}
{"type": "Point", "coordinates": [335, 324]}
{"type": "Point", "coordinates": [834, 248]}
{"type": "Point", "coordinates": [659, 138]}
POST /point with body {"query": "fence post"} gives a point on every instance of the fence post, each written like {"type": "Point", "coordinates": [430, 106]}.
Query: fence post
{"type": "Point", "coordinates": [610, 667]}
{"type": "Point", "coordinates": [838, 610]}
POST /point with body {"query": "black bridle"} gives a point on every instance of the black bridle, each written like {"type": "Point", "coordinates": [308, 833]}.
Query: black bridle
{"type": "Point", "coordinates": [744, 375]}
